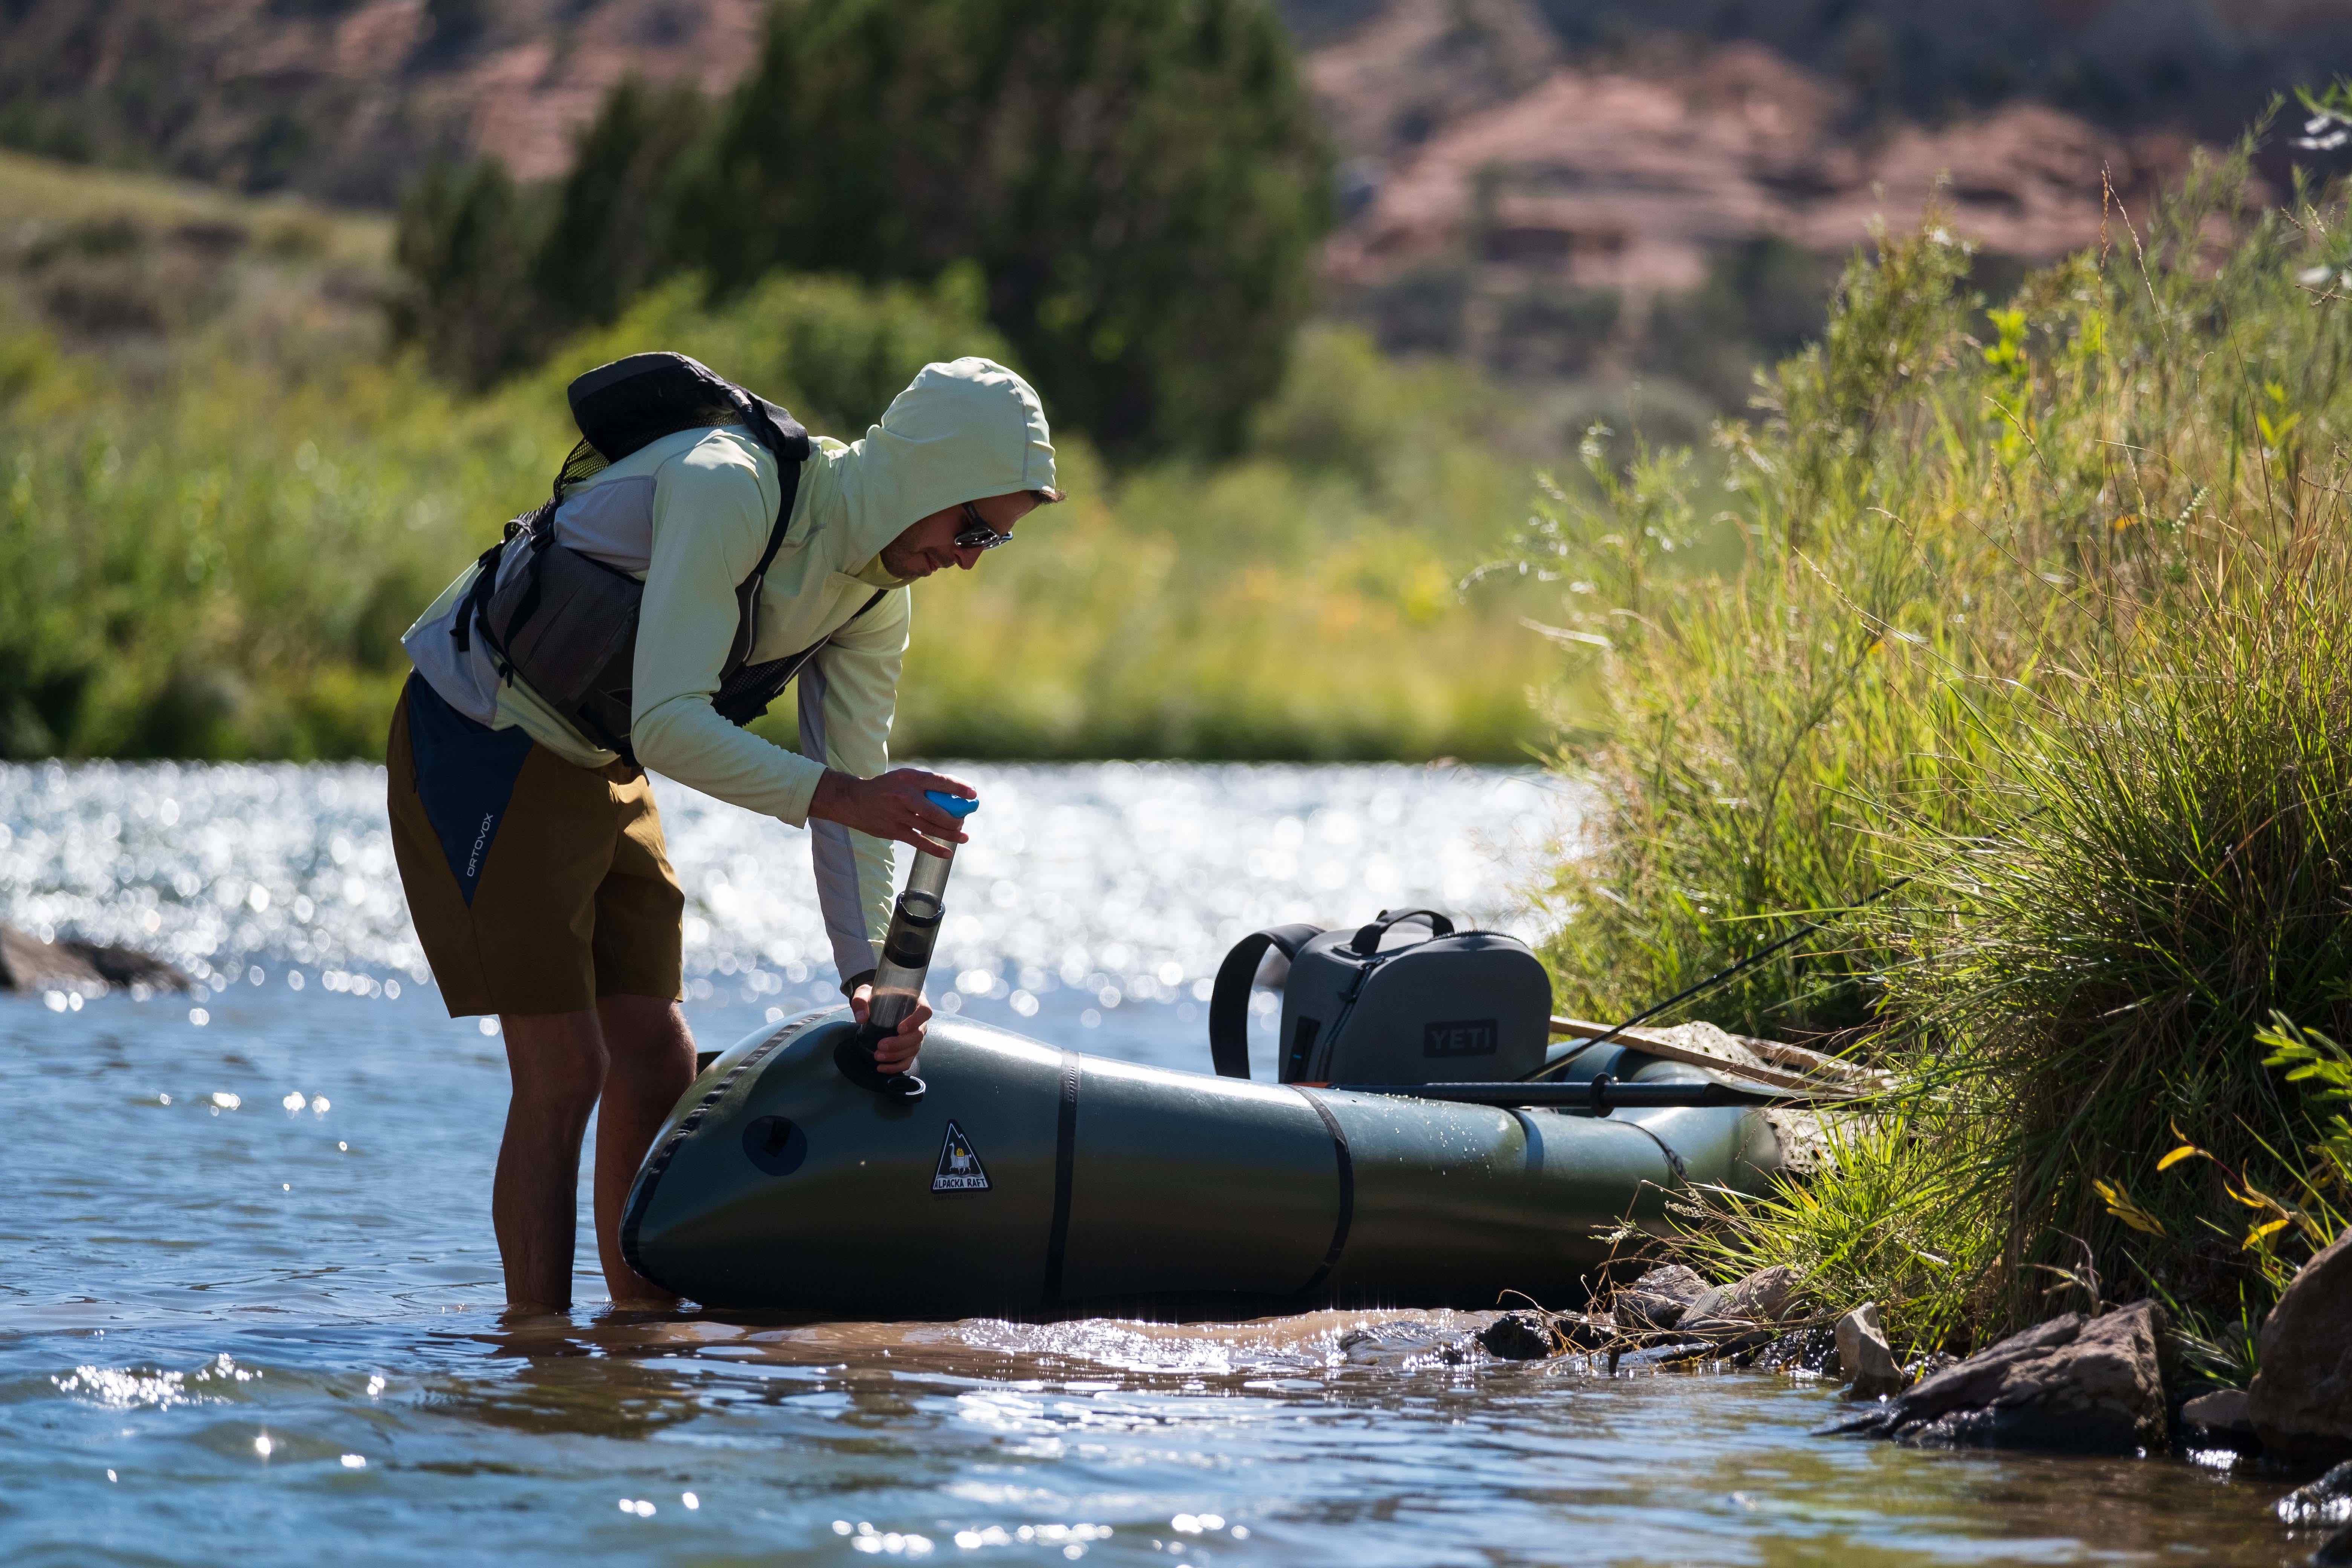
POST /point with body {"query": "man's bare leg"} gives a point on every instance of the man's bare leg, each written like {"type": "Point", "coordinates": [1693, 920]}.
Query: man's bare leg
{"type": "Point", "coordinates": [556, 1063]}
{"type": "Point", "coordinates": [651, 1061]}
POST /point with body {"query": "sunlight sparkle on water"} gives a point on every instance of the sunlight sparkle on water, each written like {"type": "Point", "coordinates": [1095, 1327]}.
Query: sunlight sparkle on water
{"type": "Point", "coordinates": [1093, 876]}
{"type": "Point", "coordinates": [890, 1541]}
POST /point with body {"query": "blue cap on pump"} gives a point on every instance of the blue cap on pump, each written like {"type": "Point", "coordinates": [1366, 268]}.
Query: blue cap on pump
{"type": "Point", "coordinates": [953, 804]}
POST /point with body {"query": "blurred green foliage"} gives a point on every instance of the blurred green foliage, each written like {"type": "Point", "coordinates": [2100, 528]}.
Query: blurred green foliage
{"type": "Point", "coordinates": [1137, 185]}
{"type": "Point", "coordinates": [221, 507]}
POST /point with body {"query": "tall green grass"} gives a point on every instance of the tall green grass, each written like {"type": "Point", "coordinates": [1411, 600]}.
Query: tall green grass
{"type": "Point", "coordinates": [2044, 608]}
{"type": "Point", "coordinates": [2170, 875]}
{"type": "Point", "coordinates": [1757, 728]}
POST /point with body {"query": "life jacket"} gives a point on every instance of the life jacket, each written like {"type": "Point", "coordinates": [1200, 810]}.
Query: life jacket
{"type": "Point", "coordinates": [566, 622]}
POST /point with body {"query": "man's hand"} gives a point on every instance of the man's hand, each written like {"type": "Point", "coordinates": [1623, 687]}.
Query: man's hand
{"type": "Point", "coordinates": [897, 1053]}
{"type": "Point", "coordinates": [892, 807]}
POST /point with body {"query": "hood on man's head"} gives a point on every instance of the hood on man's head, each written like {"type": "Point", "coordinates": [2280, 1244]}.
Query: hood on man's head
{"type": "Point", "coordinates": [962, 430]}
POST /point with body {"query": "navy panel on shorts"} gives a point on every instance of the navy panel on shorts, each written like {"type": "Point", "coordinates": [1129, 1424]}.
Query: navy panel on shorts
{"type": "Point", "coordinates": [465, 775]}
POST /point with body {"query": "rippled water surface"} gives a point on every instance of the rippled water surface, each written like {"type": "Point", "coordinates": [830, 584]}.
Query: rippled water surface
{"type": "Point", "coordinates": [248, 1311]}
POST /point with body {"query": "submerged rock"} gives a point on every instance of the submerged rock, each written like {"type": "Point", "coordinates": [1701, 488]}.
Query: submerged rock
{"type": "Point", "coordinates": [1581, 1332]}
{"type": "Point", "coordinates": [1669, 1351]}
{"type": "Point", "coordinates": [1518, 1336]}
{"type": "Point", "coordinates": [2074, 1383]}
{"type": "Point", "coordinates": [1864, 1357]}
{"type": "Point", "coordinates": [1761, 1301]}
{"type": "Point", "coordinates": [2328, 1501]}
{"type": "Point", "coordinates": [1809, 1349]}
{"type": "Point", "coordinates": [1658, 1298]}
{"type": "Point", "coordinates": [2301, 1400]}
{"type": "Point", "coordinates": [28, 963]}
{"type": "Point", "coordinates": [1407, 1342]}
{"type": "Point", "coordinates": [2221, 1413]}
{"type": "Point", "coordinates": [2336, 1551]}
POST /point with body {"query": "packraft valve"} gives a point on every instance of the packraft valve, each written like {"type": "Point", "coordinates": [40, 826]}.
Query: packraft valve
{"type": "Point", "coordinates": [906, 958]}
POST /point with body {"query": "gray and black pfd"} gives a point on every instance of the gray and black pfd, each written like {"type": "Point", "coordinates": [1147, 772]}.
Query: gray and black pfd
{"type": "Point", "coordinates": [566, 622]}
{"type": "Point", "coordinates": [1469, 1006]}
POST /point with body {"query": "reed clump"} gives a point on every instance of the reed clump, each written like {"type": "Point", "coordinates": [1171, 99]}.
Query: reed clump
{"type": "Point", "coordinates": [2042, 617]}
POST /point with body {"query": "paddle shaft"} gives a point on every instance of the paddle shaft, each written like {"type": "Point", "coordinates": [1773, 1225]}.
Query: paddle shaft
{"type": "Point", "coordinates": [1600, 1097]}
{"type": "Point", "coordinates": [1709, 983]}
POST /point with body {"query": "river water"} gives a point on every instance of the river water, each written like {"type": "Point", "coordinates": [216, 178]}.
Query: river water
{"type": "Point", "coordinates": [249, 1309]}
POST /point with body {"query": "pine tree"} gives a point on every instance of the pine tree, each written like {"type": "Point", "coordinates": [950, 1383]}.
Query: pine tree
{"type": "Point", "coordinates": [1141, 183]}
{"type": "Point", "coordinates": [465, 241]}
{"type": "Point", "coordinates": [610, 233]}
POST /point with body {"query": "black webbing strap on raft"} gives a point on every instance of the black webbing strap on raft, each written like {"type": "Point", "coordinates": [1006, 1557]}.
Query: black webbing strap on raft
{"type": "Point", "coordinates": [1345, 1159]}
{"type": "Point", "coordinates": [1066, 1165]}
{"type": "Point", "coordinates": [1229, 997]}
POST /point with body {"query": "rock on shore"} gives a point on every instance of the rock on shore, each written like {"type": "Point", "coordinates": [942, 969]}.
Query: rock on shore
{"type": "Point", "coordinates": [2074, 1385]}
{"type": "Point", "coordinates": [1753, 1305]}
{"type": "Point", "coordinates": [1658, 1298]}
{"type": "Point", "coordinates": [2300, 1403]}
{"type": "Point", "coordinates": [88, 968]}
{"type": "Point", "coordinates": [1864, 1359]}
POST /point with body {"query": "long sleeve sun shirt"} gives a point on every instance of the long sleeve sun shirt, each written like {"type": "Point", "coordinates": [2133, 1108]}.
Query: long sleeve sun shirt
{"type": "Point", "coordinates": [689, 515]}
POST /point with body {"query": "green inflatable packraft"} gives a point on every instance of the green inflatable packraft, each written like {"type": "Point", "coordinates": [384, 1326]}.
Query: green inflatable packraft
{"type": "Point", "coordinates": [1036, 1182]}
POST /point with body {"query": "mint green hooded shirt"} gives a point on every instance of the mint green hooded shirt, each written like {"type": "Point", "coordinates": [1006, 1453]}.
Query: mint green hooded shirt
{"type": "Point", "coordinates": [689, 515]}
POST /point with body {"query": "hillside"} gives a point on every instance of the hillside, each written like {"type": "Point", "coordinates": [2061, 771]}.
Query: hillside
{"type": "Point", "coordinates": [1530, 204]}
{"type": "Point", "coordinates": [341, 100]}
{"type": "Point", "coordinates": [1551, 187]}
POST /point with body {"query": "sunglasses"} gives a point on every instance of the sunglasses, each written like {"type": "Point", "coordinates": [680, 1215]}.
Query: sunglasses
{"type": "Point", "coordinates": [978, 536]}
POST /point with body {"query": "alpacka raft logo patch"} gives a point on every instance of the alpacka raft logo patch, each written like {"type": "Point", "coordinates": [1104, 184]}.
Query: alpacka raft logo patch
{"type": "Point", "coordinates": [959, 1168]}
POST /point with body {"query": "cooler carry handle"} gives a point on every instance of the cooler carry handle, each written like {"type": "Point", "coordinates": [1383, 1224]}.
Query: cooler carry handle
{"type": "Point", "coordinates": [1229, 1000]}
{"type": "Point", "coordinates": [1368, 938]}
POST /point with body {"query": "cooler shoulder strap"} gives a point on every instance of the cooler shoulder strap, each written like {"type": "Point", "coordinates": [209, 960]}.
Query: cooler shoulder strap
{"type": "Point", "coordinates": [1229, 1000]}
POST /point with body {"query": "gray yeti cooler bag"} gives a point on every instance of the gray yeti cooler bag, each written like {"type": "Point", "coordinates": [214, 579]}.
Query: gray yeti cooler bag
{"type": "Point", "coordinates": [1457, 1008]}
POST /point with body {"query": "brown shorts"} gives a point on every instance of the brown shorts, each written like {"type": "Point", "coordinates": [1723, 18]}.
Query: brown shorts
{"type": "Point", "coordinates": [536, 885]}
